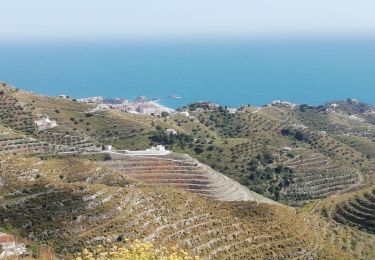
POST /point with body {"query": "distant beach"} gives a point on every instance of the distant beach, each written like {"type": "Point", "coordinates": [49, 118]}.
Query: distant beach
{"type": "Point", "coordinates": [177, 73]}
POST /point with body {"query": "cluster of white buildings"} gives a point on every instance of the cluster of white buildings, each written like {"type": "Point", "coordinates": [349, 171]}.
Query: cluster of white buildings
{"type": "Point", "coordinates": [285, 103]}
{"type": "Point", "coordinates": [97, 99]}
{"type": "Point", "coordinates": [140, 105]}
{"type": "Point", "coordinates": [334, 105]}
{"type": "Point", "coordinates": [146, 108]}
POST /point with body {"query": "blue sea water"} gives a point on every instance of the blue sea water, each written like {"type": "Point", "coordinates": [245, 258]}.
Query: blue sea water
{"type": "Point", "coordinates": [228, 72]}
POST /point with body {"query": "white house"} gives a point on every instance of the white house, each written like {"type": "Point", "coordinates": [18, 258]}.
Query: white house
{"type": "Point", "coordinates": [45, 123]}
{"type": "Point", "coordinates": [185, 113]}
{"type": "Point", "coordinates": [170, 131]}
{"type": "Point", "coordinates": [108, 148]}
{"type": "Point", "coordinates": [154, 150]}
{"type": "Point", "coordinates": [100, 107]}
{"type": "Point", "coordinates": [11, 248]}
{"type": "Point", "coordinates": [232, 110]}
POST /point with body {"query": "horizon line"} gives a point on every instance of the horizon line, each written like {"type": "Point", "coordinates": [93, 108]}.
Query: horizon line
{"type": "Point", "coordinates": [191, 38]}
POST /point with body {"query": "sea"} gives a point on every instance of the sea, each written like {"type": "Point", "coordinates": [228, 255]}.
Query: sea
{"type": "Point", "coordinates": [228, 72]}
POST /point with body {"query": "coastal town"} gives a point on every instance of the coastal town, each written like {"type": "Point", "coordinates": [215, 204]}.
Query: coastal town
{"type": "Point", "coordinates": [140, 105]}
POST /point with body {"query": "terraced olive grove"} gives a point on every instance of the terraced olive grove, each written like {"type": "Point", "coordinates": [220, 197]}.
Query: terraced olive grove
{"type": "Point", "coordinates": [13, 114]}
{"type": "Point", "coordinates": [70, 213]}
{"type": "Point", "coordinates": [318, 176]}
{"type": "Point", "coordinates": [358, 211]}
{"type": "Point", "coordinates": [183, 172]}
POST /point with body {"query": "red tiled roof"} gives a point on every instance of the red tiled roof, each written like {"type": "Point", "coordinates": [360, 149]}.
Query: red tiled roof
{"type": "Point", "coordinates": [5, 238]}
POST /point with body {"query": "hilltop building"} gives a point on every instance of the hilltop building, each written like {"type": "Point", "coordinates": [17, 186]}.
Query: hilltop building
{"type": "Point", "coordinates": [284, 103]}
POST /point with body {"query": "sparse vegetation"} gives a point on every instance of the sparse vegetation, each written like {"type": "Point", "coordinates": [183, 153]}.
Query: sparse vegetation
{"type": "Point", "coordinates": [134, 250]}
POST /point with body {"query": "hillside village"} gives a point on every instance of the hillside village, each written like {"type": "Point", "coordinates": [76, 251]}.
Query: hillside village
{"type": "Point", "coordinates": [283, 181]}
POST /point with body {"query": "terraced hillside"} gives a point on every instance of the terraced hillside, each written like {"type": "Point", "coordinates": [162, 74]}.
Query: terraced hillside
{"type": "Point", "coordinates": [354, 107]}
{"type": "Point", "coordinates": [317, 164]}
{"type": "Point", "coordinates": [181, 171]}
{"type": "Point", "coordinates": [57, 188]}
{"type": "Point", "coordinates": [42, 143]}
{"type": "Point", "coordinates": [13, 114]}
{"type": "Point", "coordinates": [359, 211]}
{"type": "Point", "coordinates": [19, 134]}
{"type": "Point", "coordinates": [337, 118]}
{"type": "Point", "coordinates": [318, 176]}
{"type": "Point", "coordinates": [70, 214]}
{"type": "Point", "coordinates": [12, 142]}
{"type": "Point", "coordinates": [347, 221]}
{"type": "Point", "coordinates": [246, 145]}
{"type": "Point", "coordinates": [62, 137]}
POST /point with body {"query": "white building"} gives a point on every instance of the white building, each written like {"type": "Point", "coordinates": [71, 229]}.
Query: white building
{"type": "Point", "coordinates": [170, 131]}
{"type": "Point", "coordinates": [185, 113]}
{"type": "Point", "coordinates": [44, 124]}
{"type": "Point", "coordinates": [287, 149]}
{"type": "Point", "coordinates": [100, 107]}
{"type": "Point", "coordinates": [334, 105]}
{"type": "Point", "coordinates": [155, 150]}
{"type": "Point", "coordinates": [232, 110]}
{"type": "Point", "coordinates": [10, 248]}
{"type": "Point", "coordinates": [108, 148]}
{"type": "Point", "coordinates": [285, 103]}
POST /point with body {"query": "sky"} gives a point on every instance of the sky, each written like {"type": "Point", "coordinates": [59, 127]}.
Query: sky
{"type": "Point", "coordinates": [106, 19]}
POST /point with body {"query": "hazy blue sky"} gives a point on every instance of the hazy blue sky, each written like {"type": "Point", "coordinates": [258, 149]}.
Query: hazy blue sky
{"type": "Point", "coordinates": [40, 19]}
